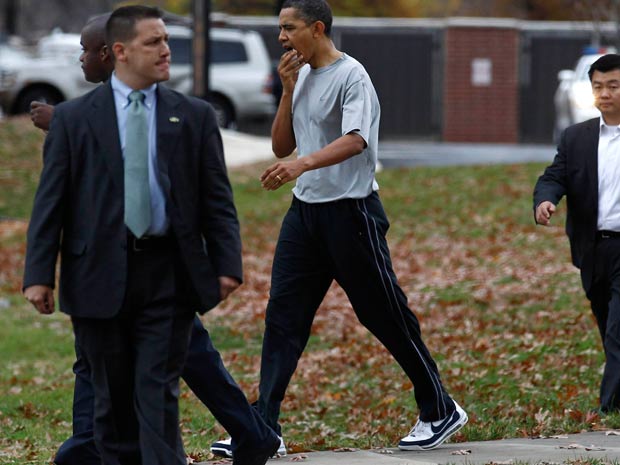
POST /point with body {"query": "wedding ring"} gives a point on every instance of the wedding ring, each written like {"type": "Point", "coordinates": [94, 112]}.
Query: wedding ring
{"type": "Point", "coordinates": [278, 178]}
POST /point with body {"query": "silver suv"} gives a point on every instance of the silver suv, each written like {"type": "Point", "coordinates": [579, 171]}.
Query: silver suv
{"type": "Point", "coordinates": [573, 98]}
{"type": "Point", "coordinates": [240, 73]}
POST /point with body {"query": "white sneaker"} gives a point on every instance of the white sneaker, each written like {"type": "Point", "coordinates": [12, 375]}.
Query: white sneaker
{"type": "Point", "coordinates": [223, 448]}
{"type": "Point", "coordinates": [428, 435]}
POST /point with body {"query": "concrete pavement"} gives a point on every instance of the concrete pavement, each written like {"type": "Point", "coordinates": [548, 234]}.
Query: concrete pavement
{"type": "Point", "coordinates": [416, 153]}
{"type": "Point", "coordinates": [240, 149]}
{"type": "Point", "coordinates": [598, 445]}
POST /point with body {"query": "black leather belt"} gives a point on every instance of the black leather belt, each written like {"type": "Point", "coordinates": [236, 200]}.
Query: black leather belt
{"type": "Point", "coordinates": [607, 234]}
{"type": "Point", "coordinates": [149, 243]}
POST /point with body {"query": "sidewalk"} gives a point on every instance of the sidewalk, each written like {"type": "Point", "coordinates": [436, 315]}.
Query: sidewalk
{"type": "Point", "coordinates": [599, 445]}
{"type": "Point", "coordinates": [240, 149]}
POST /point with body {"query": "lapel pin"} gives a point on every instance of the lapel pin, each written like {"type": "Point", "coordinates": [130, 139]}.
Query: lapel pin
{"type": "Point", "coordinates": [174, 119]}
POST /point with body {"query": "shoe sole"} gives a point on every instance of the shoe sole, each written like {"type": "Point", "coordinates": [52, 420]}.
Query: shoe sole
{"type": "Point", "coordinates": [462, 422]}
{"type": "Point", "coordinates": [221, 452]}
{"type": "Point", "coordinates": [227, 453]}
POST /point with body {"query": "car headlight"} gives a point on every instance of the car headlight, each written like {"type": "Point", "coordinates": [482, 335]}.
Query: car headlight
{"type": "Point", "coordinates": [7, 79]}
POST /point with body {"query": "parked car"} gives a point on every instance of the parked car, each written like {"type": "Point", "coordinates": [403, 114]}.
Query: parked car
{"type": "Point", "coordinates": [10, 57]}
{"type": "Point", "coordinates": [573, 98]}
{"type": "Point", "coordinates": [240, 73]}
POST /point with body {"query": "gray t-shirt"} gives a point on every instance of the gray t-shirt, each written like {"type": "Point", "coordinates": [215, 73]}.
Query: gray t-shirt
{"type": "Point", "coordinates": [328, 103]}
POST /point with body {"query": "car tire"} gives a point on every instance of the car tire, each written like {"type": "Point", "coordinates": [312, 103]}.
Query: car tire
{"type": "Point", "coordinates": [224, 112]}
{"type": "Point", "coordinates": [47, 95]}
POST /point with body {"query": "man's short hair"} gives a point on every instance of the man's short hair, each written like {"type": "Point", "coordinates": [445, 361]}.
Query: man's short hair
{"type": "Point", "coordinates": [96, 26]}
{"type": "Point", "coordinates": [121, 27]}
{"type": "Point", "coordinates": [605, 64]}
{"type": "Point", "coordinates": [311, 11]}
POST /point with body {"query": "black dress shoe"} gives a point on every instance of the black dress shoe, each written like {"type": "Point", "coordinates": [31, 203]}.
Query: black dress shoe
{"type": "Point", "coordinates": [258, 456]}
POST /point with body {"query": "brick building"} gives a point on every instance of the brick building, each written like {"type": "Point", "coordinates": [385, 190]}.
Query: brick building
{"type": "Point", "coordinates": [481, 91]}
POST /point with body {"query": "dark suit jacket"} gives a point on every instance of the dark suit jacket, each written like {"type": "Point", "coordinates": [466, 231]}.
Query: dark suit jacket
{"type": "Point", "coordinates": [574, 174]}
{"type": "Point", "coordinates": [78, 208]}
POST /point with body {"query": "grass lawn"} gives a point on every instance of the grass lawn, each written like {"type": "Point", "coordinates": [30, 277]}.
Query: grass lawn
{"type": "Point", "coordinates": [500, 306]}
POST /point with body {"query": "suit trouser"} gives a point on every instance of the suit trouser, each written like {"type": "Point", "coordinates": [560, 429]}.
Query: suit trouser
{"type": "Point", "coordinates": [206, 376]}
{"type": "Point", "coordinates": [342, 240]}
{"type": "Point", "coordinates": [135, 360]}
{"type": "Point", "coordinates": [80, 447]}
{"type": "Point", "coordinates": [604, 295]}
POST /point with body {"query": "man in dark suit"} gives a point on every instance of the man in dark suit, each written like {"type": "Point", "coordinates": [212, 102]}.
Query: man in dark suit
{"type": "Point", "coordinates": [586, 170]}
{"type": "Point", "coordinates": [204, 371]}
{"type": "Point", "coordinates": [134, 194]}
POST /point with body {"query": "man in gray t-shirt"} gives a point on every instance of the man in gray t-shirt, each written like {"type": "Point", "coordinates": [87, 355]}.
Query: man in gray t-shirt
{"type": "Point", "coordinates": [330, 102]}
{"type": "Point", "coordinates": [335, 228]}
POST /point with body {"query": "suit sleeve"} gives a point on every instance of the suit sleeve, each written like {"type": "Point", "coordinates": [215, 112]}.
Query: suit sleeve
{"type": "Point", "coordinates": [551, 186]}
{"type": "Point", "coordinates": [45, 228]}
{"type": "Point", "coordinates": [219, 223]}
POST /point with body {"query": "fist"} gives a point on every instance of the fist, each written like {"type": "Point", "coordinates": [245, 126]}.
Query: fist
{"type": "Point", "coordinates": [544, 211]}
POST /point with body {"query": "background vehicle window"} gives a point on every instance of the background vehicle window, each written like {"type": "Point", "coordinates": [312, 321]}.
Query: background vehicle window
{"type": "Point", "coordinates": [180, 50]}
{"type": "Point", "coordinates": [225, 51]}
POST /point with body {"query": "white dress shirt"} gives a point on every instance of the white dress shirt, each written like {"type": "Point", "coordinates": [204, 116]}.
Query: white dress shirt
{"type": "Point", "coordinates": [609, 177]}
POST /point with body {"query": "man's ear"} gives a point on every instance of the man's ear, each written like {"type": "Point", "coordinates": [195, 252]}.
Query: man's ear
{"type": "Point", "coordinates": [318, 28]}
{"type": "Point", "coordinates": [104, 54]}
{"type": "Point", "coordinates": [118, 49]}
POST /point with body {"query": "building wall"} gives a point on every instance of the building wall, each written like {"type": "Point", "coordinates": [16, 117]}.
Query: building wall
{"type": "Point", "coordinates": [481, 94]}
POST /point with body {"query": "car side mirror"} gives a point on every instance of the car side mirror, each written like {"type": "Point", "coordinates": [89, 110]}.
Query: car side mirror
{"type": "Point", "coordinates": [566, 75]}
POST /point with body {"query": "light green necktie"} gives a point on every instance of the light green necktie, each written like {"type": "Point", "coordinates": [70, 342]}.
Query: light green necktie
{"type": "Point", "coordinates": [137, 192]}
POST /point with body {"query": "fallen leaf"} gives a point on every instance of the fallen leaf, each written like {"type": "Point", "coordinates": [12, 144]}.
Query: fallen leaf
{"type": "Point", "coordinates": [461, 452]}
{"type": "Point", "coordinates": [345, 449]}
{"type": "Point", "coordinates": [299, 458]}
